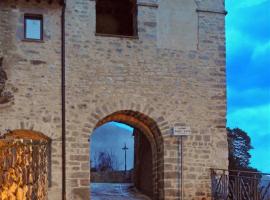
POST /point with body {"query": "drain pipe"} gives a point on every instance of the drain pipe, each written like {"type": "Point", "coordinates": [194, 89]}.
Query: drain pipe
{"type": "Point", "coordinates": [182, 170]}
{"type": "Point", "coordinates": [63, 98]}
{"type": "Point", "coordinates": [180, 167]}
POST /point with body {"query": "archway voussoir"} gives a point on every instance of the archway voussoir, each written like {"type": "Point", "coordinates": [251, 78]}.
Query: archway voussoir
{"type": "Point", "coordinates": [99, 111]}
{"type": "Point", "coordinates": [131, 106]}
{"type": "Point", "coordinates": [88, 125]}
{"type": "Point", "coordinates": [32, 126]}
{"type": "Point", "coordinates": [95, 116]}
{"type": "Point", "coordinates": [145, 109]}
{"type": "Point", "coordinates": [105, 109]}
{"type": "Point", "coordinates": [92, 120]}
{"type": "Point", "coordinates": [138, 107]}
{"type": "Point", "coordinates": [159, 119]}
{"type": "Point", "coordinates": [163, 125]}
{"type": "Point", "coordinates": [117, 105]}
{"type": "Point", "coordinates": [122, 104]}
{"type": "Point", "coordinates": [26, 125]}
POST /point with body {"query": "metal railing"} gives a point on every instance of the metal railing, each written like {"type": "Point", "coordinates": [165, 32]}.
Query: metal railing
{"type": "Point", "coordinates": [239, 185]}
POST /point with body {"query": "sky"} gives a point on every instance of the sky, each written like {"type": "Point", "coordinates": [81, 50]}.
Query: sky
{"type": "Point", "coordinates": [114, 135]}
{"type": "Point", "coordinates": [248, 74]}
{"type": "Point", "coordinates": [33, 29]}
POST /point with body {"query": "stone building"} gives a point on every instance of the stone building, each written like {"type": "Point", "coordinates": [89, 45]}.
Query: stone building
{"type": "Point", "coordinates": [70, 66]}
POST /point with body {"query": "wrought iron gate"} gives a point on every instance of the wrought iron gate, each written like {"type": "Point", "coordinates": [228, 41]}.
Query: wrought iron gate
{"type": "Point", "coordinates": [239, 185]}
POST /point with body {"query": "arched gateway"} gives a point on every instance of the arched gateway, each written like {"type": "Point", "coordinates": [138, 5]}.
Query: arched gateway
{"type": "Point", "coordinates": [148, 128]}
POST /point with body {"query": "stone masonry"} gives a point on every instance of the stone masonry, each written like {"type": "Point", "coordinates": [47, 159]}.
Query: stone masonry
{"type": "Point", "coordinates": [23, 168]}
{"type": "Point", "coordinates": [172, 74]}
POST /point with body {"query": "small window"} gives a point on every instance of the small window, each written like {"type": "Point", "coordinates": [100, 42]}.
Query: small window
{"type": "Point", "coordinates": [116, 17]}
{"type": "Point", "coordinates": [33, 27]}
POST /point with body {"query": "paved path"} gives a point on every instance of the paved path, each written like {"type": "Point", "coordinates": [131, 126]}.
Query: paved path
{"type": "Point", "coordinates": [115, 191]}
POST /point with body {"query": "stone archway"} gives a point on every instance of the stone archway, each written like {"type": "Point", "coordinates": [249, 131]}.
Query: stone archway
{"type": "Point", "coordinates": [148, 127]}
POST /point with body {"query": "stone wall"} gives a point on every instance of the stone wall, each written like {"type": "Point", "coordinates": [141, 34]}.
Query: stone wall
{"type": "Point", "coordinates": [23, 169]}
{"type": "Point", "coordinates": [5, 96]}
{"type": "Point", "coordinates": [172, 86]}
{"type": "Point", "coordinates": [33, 72]}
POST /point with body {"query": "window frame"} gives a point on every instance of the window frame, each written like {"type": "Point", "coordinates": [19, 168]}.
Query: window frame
{"type": "Point", "coordinates": [33, 17]}
{"type": "Point", "coordinates": [135, 34]}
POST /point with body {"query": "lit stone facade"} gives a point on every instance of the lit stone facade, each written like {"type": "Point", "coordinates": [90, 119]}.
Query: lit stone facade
{"type": "Point", "coordinates": [172, 74]}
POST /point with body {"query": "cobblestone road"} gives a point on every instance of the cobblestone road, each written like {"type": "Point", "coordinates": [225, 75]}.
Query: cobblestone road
{"type": "Point", "coordinates": [111, 191]}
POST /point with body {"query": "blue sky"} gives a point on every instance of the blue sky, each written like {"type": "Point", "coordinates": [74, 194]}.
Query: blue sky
{"type": "Point", "coordinates": [33, 29]}
{"type": "Point", "coordinates": [248, 74]}
{"type": "Point", "coordinates": [111, 137]}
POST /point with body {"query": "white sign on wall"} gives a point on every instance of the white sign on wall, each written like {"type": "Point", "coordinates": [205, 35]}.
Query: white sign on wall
{"type": "Point", "coordinates": [181, 131]}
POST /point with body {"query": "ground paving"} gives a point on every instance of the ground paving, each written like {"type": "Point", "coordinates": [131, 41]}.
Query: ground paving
{"type": "Point", "coordinates": [113, 191]}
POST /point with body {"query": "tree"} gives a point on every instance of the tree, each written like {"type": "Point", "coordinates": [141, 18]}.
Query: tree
{"type": "Point", "coordinates": [105, 161]}
{"type": "Point", "coordinates": [239, 159]}
{"type": "Point", "coordinates": [239, 146]}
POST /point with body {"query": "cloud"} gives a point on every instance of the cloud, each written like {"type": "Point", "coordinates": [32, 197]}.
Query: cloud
{"type": "Point", "coordinates": [243, 72]}
{"type": "Point", "coordinates": [256, 122]}
{"type": "Point", "coordinates": [237, 40]}
{"type": "Point", "coordinates": [262, 51]}
{"type": "Point", "coordinates": [260, 157]}
{"type": "Point", "coordinates": [248, 46]}
{"type": "Point", "coordinates": [245, 98]}
{"type": "Point", "coordinates": [248, 61]}
{"type": "Point", "coordinates": [250, 3]}
{"type": "Point", "coordinates": [250, 20]}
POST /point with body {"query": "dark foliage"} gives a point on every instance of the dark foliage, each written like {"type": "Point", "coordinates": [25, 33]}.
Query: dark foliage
{"type": "Point", "coordinates": [104, 161]}
{"type": "Point", "coordinates": [239, 146]}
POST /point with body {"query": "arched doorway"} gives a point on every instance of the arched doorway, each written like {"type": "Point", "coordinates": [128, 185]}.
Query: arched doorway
{"type": "Point", "coordinates": [148, 150]}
